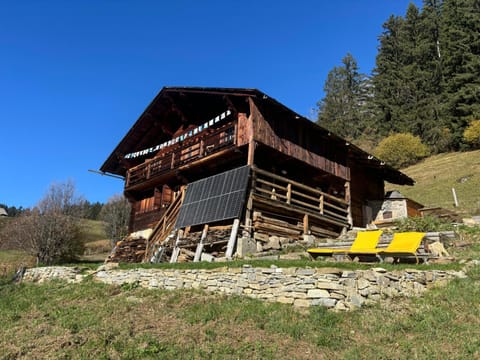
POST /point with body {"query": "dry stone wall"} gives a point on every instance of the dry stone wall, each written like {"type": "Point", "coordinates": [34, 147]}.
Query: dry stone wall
{"type": "Point", "coordinates": [301, 287]}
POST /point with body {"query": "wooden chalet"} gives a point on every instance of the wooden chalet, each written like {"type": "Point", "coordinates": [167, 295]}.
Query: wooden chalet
{"type": "Point", "coordinates": [205, 167]}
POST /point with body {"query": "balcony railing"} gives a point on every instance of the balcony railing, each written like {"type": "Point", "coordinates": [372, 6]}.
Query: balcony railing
{"type": "Point", "coordinates": [284, 191]}
{"type": "Point", "coordinates": [180, 154]}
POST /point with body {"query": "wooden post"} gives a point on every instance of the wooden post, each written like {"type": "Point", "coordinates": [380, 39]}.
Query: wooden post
{"type": "Point", "coordinates": [322, 199]}
{"type": "Point", "coordinates": [247, 232]}
{"type": "Point", "coordinates": [233, 239]}
{"type": "Point", "coordinates": [306, 227]}
{"type": "Point", "coordinates": [198, 251]}
{"type": "Point", "coordinates": [251, 137]}
{"type": "Point", "coordinates": [348, 199]}
{"type": "Point", "coordinates": [251, 152]}
{"type": "Point", "coordinates": [176, 249]}
{"type": "Point", "coordinates": [455, 200]}
{"type": "Point", "coordinates": [289, 193]}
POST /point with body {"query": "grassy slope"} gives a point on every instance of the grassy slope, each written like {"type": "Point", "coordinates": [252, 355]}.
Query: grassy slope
{"type": "Point", "coordinates": [97, 321]}
{"type": "Point", "coordinates": [93, 236]}
{"type": "Point", "coordinates": [437, 175]}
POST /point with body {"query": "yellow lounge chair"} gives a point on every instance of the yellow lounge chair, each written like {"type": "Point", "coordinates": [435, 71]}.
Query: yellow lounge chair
{"type": "Point", "coordinates": [366, 241]}
{"type": "Point", "coordinates": [404, 245]}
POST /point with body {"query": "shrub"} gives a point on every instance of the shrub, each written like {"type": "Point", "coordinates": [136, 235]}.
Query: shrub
{"type": "Point", "coordinates": [472, 133]}
{"type": "Point", "coordinates": [401, 150]}
{"type": "Point", "coordinates": [50, 232]}
{"type": "Point", "coordinates": [424, 224]}
{"type": "Point", "coordinates": [116, 215]}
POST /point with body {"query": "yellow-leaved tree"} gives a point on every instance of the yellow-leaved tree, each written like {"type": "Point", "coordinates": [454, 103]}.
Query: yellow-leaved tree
{"type": "Point", "coordinates": [400, 150]}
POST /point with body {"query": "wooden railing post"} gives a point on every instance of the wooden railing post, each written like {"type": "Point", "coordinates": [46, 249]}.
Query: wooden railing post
{"type": "Point", "coordinates": [289, 193]}
{"type": "Point", "coordinates": [321, 204]}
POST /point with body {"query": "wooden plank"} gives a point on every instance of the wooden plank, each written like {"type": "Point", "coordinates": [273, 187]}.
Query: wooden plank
{"type": "Point", "coordinates": [264, 133]}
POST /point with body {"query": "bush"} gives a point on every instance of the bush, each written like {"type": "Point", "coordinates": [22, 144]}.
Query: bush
{"type": "Point", "coordinates": [472, 133]}
{"type": "Point", "coordinates": [401, 150]}
{"type": "Point", "coordinates": [424, 224]}
{"type": "Point", "coordinates": [50, 232]}
{"type": "Point", "coordinates": [116, 215]}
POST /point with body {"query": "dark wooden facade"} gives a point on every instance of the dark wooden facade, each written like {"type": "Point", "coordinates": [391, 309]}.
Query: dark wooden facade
{"type": "Point", "coordinates": [187, 134]}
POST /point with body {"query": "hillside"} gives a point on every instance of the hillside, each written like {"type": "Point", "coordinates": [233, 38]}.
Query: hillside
{"type": "Point", "coordinates": [437, 175]}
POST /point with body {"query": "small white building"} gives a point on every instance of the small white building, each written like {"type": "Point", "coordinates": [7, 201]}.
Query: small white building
{"type": "Point", "coordinates": [3, 212]}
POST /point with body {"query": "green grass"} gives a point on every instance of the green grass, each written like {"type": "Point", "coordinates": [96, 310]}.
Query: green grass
{"type": "Point", "coordinates": [437, 175]}
{"type": "Point", "coordinates": [11, 260]}
{"type": "Point", "coordinates": [289, 264]}
{"type": "Point", "coordinates": [97, 321]}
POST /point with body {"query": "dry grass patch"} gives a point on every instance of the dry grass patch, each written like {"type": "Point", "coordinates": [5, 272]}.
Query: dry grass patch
{"type": "Point", "coordinates": [435, 177]}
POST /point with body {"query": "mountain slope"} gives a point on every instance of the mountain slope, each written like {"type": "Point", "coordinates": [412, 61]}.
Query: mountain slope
{"type": "Point", "coordinates": [437, 175]}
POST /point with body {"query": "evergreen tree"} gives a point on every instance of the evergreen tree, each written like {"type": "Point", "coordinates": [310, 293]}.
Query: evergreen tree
{"type": "Point", "coordinates": [388, 79]}
{"type": "Point", "coordinates": [460, 46]}
{"type": "Point", "coordinates": [343, 109]}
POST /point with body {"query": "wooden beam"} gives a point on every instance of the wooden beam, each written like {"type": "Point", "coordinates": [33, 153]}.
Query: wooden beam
{"type": "Point", "coordinates": [247, 231]}
{"type": "Point", "coordinates": [233, 238]}
{"type": "Point", "coordinates": [176, 249]}
{"type": "Point", "coordinates": [306, 227]}
{"type": "Point", "coordinates": [199, 250]}
{"type": "Point", "coordinates": [348, 200]}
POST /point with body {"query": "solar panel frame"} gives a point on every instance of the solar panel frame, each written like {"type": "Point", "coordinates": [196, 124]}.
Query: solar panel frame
{"type": "Point", "coordinates": [215, 198]}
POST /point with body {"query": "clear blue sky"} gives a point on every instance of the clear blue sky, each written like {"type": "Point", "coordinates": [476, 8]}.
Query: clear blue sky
{"type": "Point", "coordinates": [75, 75]}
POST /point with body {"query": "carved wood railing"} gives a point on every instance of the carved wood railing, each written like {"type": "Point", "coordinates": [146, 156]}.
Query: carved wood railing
{"type": "Point", "coordinates": [202, 145]}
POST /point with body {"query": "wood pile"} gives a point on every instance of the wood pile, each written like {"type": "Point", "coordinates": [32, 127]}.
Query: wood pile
{"type": "Point", "coordinates": [440, 213]}
{"type": "Point", "coordinates": [215, 235]}
{"type": "Point", "coordinates": [131, 250]}
{"type": "Point", "coordinates": [267, 226]}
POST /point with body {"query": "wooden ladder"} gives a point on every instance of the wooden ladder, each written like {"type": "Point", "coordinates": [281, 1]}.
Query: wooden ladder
{"type": "Point", "coordinates": [163, 229]}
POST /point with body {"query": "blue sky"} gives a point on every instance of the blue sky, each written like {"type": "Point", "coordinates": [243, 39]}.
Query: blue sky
{"type": "Point", "coordinates": [75, 75]}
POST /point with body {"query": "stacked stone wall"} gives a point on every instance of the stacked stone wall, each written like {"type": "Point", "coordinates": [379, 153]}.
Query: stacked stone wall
{"type": "Point", "coordinates": [301, 287]}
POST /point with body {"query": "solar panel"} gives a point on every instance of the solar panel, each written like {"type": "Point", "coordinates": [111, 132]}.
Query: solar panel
{"type": "Point", "coordinates": [215, 198]}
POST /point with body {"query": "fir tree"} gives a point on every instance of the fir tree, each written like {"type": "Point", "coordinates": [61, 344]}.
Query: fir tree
{"type": "Point", "coordinates": [343, 109]}
{"type": "Point", "coordinates": [460, 46]}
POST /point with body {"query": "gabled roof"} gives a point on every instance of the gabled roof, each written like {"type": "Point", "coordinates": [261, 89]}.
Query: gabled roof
{"type": "Point", "coordinates": [174, 106]}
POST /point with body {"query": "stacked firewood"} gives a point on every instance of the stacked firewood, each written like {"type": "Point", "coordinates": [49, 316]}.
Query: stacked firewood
{"type": "Point", "coordinates": [269, 226]}
{"type": "Point", "coordinates": [130, 250]}
{"type": "Point", "coordinates": [214, 235]}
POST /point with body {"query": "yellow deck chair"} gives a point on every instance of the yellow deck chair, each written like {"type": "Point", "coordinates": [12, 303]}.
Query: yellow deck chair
{"type": "Point", "coordinates": [404, 245]}
{"type": "Point", "coordinates": [366, 241]}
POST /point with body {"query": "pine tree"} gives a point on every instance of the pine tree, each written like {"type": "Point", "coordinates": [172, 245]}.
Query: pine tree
{"type": "Point", "coordinates": [408, 75]}
{"type": "Point", "coordinates": [388, 79]}
{"type": "Point", "coordinates": [343, 109]}
{"type": "Point", "coordinates": [460, 45]}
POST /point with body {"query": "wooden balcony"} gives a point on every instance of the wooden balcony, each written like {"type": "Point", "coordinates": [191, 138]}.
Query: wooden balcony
{"type": "Point", "coordinates": [277, 192]}
{"type": "Point", "coordinates": [197, 147]}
